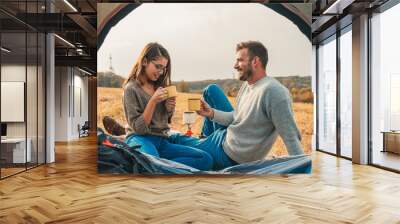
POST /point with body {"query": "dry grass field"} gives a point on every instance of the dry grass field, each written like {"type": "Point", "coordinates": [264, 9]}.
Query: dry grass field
{"type": "Point", "coordinates": [109, 102]}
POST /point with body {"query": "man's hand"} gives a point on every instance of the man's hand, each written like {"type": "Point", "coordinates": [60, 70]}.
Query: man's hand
{"type": "Point", "coordinates": [170, 104]}
{"type": "Point", "coordinates": [205, 110]}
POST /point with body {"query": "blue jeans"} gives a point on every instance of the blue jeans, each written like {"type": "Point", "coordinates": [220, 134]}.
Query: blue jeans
{"type": "Point", "coordinates": [215, 133]}
{"type": "Point", "coordinates": [160, 147]}
{"type": "Point", "coordinates": [216, 98]}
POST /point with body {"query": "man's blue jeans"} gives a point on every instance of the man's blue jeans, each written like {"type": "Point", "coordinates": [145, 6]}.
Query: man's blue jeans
{"type": "Point", "coordinates": [215, 133]}
{"type": "Point", "coordinates": [160, 147]}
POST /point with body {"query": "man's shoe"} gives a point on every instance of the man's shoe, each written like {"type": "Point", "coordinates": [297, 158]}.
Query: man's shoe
{"type": "Point", "coordinates": [113, 127]}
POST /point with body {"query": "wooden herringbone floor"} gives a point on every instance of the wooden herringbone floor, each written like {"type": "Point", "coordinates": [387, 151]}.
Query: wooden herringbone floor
{"type": "Point", "coordinates": [71, 191]}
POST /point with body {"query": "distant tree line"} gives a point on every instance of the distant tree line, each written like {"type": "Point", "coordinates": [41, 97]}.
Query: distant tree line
{"type": "Point", "coordinates": [182, 86]}
{"type": "Point", "coordinates": [109, 79]}
{"type": "Point", "coordinates": [304, 95]}
{"type": "Point", "coordinates": [299, 87]}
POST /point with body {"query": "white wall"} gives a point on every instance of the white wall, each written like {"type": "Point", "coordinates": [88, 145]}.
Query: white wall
{"type": "Point", "coordinates": [79, 103]}
{"type": "Point", "coordinates": [32, 127]}
{"type": "Point", "coordinates": [15, 72]}
{"type": "Point", "coordinates": [10, 73]}
{"type": "Point", "coordinates": [61, 103]}
{"type": "Point", "coordinates": [67, 115]}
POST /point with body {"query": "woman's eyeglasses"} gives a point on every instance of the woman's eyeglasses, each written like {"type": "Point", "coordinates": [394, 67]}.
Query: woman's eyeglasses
{"type": "Point", "coordinates": [159, 67]}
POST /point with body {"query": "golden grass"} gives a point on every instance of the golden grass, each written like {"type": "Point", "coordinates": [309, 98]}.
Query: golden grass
{"type": "Point", "coordinates": [109, 102]}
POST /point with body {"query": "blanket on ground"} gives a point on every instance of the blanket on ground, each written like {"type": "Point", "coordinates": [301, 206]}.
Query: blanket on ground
{"type": "Point", "coordinates": [114, 156]}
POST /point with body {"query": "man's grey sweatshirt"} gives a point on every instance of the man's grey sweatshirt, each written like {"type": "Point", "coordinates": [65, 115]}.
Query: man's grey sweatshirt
{"type": "Point", "coordinates": [264, 110]}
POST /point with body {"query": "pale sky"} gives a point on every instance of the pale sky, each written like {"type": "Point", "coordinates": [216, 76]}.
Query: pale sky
{"type": "Point", "coordinates": [201, 39]}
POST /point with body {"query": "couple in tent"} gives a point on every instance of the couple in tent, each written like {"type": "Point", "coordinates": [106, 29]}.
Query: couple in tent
{"type": "Point", "coordinates": [231, 136]}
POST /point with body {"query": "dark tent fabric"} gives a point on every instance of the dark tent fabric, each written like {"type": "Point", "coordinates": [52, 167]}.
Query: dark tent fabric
{"type": "Point", "coordinates": [117, 157]}
{"type": "Point", "coordinates": [116, 15]}
{"type": "Point", "coordinates": [298, 16]}
{"type": "Point", "coordinates": [303, 24]}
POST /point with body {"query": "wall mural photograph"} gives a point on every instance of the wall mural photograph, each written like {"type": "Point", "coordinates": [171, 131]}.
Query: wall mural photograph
{"type": "Point", "coordinates": [204, 89]}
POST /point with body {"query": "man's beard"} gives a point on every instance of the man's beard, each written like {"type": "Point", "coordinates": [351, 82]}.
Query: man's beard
{"type": "Point", "coordinates": [247, 74]}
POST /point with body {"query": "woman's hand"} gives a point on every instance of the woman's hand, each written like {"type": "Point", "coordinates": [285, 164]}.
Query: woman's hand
{"type": "Point", "coordinates": [159, 95]}
{"type": "Point", "coordinates": [205, 110]}
{"type": "Point", "coordinates": [170, 104]}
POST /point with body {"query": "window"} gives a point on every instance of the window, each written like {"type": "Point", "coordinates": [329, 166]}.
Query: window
{"type": "Point", "coordinates": [22, 72]}
{"type": "Point", "coordinates": [385, 88]}
{"type": "Point", "coordinates": [327, 96]}
{"type": "Point", "coordinates": [346, 75]}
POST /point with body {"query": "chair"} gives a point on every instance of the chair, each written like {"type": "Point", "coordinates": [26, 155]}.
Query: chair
{"type": "Point", "coordinates": [84, 130]}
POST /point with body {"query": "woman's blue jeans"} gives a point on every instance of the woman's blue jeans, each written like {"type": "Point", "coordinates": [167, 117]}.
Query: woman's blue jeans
{"type": "Point", "coordinates": [215, 133]}
{"type": "Point", "coordinates": [160, 147]}
{"type": "Point", "coordinates": [202, 154]}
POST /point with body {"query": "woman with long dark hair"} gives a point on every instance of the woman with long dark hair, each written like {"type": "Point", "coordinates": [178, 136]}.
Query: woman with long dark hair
{"type": "Point", "coordinates": [148, 110]}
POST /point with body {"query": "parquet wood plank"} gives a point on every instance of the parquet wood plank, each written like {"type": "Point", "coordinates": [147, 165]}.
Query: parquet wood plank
{"type": "Point", "coordinates": [71, 191]}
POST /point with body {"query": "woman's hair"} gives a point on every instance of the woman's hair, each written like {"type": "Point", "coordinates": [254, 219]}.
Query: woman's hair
{"type": "Point", "coordinates": [151, 52]}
